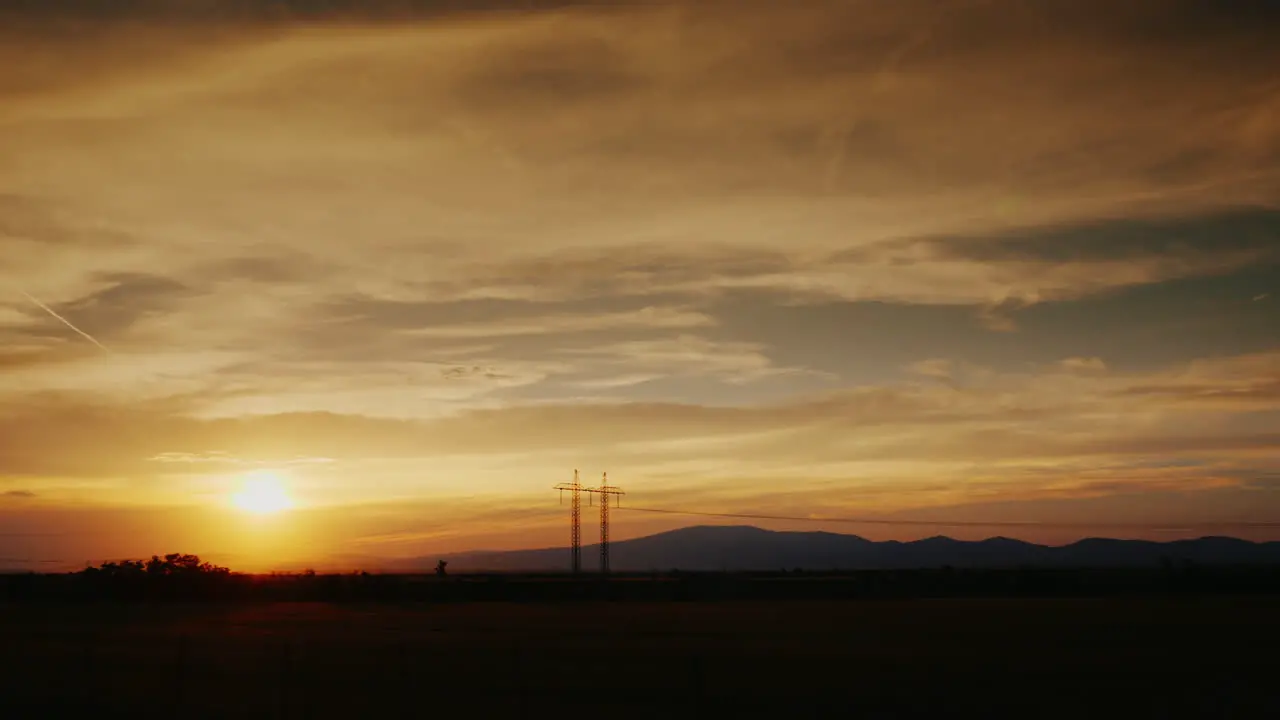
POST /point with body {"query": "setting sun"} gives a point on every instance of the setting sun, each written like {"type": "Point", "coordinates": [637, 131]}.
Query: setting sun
{"type": "Point", "coordinates": [263, 493]}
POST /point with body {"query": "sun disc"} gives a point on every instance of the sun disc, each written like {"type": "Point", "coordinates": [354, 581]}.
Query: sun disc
{"type": "Point", "coordinates": [262, 493]}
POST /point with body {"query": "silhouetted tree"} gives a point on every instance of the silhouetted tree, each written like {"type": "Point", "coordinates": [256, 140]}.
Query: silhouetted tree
{"type": "Point", "coordinates": [440, 568]}
{"type": "Point", "coordinates": [171, 565]}
{"type": "Point", "coordinates": [124, 568]}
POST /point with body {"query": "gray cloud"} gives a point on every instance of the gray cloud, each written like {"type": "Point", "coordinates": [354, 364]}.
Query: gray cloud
{"type": "Point", "coordinates": [1243, 235]}
{"type": "Point", "coordinates": [243, 11]}
{"type": "Point", "coordinates": [665, 138]}
{"type": "Point", "coordinates": [124, 299]}
{"type": "Point", "coordinates": [549, 75]}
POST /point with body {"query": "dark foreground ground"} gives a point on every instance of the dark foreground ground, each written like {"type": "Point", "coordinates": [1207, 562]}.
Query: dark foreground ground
{"type": "Point", "coordinates": [1125, 657]}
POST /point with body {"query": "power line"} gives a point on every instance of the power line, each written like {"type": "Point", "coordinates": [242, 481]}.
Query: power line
{"type": "Point", "coordinates": [1168, 527]}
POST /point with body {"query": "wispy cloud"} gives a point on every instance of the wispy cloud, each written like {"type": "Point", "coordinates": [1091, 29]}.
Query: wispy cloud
{"type": "Point", "coordinates": [1091, 364]}
{"type": "Point", "coordinates": [645, 318]}
{"type": "Point", "coordinates": [222, 458]}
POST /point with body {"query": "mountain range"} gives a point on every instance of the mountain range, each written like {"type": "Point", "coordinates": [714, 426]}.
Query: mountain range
{"type": "Point", "coordinates": [746, 548]}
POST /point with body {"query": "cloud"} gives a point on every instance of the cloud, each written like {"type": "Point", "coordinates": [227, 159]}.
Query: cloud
{"type": "Point", "coordinates": [223, 458]}
{"type": "Point", "coordinates": [122, 302]}
{"type": "Point", "coordinates": [1051, 433]}
{"type": "Point", "coordinates": [934, 367]}
{"type": "Point", "coordinates": [500, 176]}
{"type": "Point", "coordinates": [685, 354]}
{"type": "Point", "coordinates": [650, 317]}
{"type": "Point", "coordinates": [460, 246]}
{"type": "Point", "coordinates": [996, 319]}
{"type": "Point", "coordinates": [1241, 383]}
{"type": "Point", "coordinates": [1078, 364]}
{"type": "Point", "coordinates": [1055, 413]}
{"type": "Point", "coordinates": [187, 457]}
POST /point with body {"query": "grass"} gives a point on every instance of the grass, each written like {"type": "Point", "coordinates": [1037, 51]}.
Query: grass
{"type": "Point", "coordinates": [1152, 657]}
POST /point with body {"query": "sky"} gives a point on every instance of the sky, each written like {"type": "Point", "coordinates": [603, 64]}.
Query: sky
{"type": "Point", "coordinates": [966, 261]}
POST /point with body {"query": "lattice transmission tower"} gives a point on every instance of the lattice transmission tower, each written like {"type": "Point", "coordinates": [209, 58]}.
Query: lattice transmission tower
{"type": "Point", "coordinates": [575, 520]}
{"type": "Point", "coordinates": [605, 490]}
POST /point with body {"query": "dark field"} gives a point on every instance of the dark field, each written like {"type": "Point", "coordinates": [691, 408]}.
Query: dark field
{"type": "Point", "coordinates": [1114, 657]}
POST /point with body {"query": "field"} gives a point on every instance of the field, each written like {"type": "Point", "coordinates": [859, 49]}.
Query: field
{"type": "Point", "coordinates": [1125, 657]}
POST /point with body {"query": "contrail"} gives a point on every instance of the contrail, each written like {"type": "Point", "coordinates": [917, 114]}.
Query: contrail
{"type": "Point", "coordinates": [64, 321]}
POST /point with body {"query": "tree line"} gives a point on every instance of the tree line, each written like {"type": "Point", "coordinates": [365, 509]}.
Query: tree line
{"type": "Point", "coordinates": [187, 578]}
{"type": "Point", "coordinates": [173, 565]}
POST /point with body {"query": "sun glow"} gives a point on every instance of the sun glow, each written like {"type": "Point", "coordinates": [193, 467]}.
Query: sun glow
{"type": "Point", "coordinates": [262, 492]}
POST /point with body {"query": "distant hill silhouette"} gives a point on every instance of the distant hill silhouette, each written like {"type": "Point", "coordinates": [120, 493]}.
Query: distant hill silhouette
{"type": "Point", "coordinates": [745, 548]}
